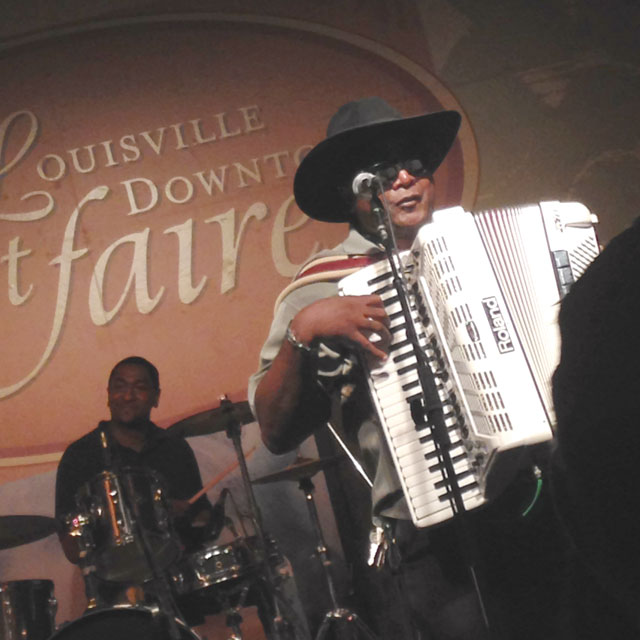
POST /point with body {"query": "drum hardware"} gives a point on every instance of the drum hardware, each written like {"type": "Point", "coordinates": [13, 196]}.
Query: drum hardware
{"type": "Point", "coordinates": [282, 619]}
{"type": "Point", "coordinates": [222, 565]}
{"type": "Point", "coordinates": [233, 617]}
{"type": "Point", "coordinates": [123, 517]}
{"type": "Point", "coordinates": [28, 609]}
{"type": "Point", "coordinates": [168, 612]}
{"type": "Point", "coordinates": [228, 598]}
{"type": "Point", "coordinates": [19, 530]}
{"type": "Point", "coordinates": [224, 578]}
{"type": "Point", "coordinates": [303, 470]}
{"type": "Point", "coordinates": [230, 417]}
{"type": "Point", "coordinates": [77, 525]}
{"type": "Point", "coordinates": [124, 534]}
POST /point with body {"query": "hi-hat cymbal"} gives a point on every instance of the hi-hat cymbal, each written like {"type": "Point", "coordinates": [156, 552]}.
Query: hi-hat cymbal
{"type": "Point", "coordinates": [301, 468]}
{"type": "Point", "coordinates": [213, 420]}
{"type": "Point", "coordinates": [17, 530]}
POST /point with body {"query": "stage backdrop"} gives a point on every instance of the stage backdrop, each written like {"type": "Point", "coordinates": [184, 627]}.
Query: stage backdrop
{"type": "Point", "coordinates": [146, 208]}
{"type": "Point", "coordinates": [145, 183]}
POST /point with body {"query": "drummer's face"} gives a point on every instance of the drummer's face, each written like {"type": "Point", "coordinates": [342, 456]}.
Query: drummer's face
{"type": "Point", "coordinates": [131, 395]}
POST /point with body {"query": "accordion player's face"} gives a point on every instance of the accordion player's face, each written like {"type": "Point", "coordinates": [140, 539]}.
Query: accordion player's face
{"type": "Point", "coordinates": [410, 200]}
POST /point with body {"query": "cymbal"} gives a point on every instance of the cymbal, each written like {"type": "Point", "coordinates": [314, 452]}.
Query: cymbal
{"type": "Point", "coordinates": [301, 468]}
{"type": "Point", "coordinates": [213, 420]}
{"type": "Point", "coordinates": [17, 530]}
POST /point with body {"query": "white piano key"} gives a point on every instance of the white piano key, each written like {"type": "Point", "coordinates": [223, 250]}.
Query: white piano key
{"type": "Point", "coordinates": [432, 500]}
{"type": "Point", "coordinates": [404, 449]}
{"type": "Point", "coordinates": [426, 517]}
{"type": "Point", "coordinates": [422, 493]}
{"type": "Point", "coordinates": [410, 436]}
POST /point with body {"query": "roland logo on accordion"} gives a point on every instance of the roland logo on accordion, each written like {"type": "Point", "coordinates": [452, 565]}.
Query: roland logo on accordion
{"type": "Point", "coordinates": [498, 325]}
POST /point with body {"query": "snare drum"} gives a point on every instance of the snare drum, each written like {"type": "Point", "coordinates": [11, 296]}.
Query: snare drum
{"type": "Point", "coordinates": [123, 623]}
{"type": "Point", "coordinates": [211, 565]}
{"type": "Point", "coordinates": [221, 564]}
{"type": "Point", "coordinates": [120, 509]}
{"type": "Point", "coordinates": [28, 609]}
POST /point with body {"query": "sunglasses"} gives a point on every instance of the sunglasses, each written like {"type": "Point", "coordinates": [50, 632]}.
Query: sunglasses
{"type": "Point", "coordinates": [388, 171]}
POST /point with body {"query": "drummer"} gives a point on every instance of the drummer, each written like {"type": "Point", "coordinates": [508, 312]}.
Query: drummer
{"type": "Point", "coordinates": [131, 439]}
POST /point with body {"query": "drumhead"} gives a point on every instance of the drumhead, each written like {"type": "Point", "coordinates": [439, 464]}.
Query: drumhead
{"type": "Point", "coordinates": [123, 623]}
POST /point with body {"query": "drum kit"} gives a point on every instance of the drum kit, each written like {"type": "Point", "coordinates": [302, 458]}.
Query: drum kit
{"type": "Point", "coordinates": [140, 582]}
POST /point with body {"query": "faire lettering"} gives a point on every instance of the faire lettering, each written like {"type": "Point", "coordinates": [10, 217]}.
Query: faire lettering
{"type": "Point", "coordinates": [137, 284]}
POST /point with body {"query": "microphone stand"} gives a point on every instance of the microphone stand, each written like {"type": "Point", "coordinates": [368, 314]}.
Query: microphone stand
{"type": "Point", "coordinates": [428, 410]}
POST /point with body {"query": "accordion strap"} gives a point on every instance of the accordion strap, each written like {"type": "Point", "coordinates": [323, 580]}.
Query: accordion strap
{"type": "Point", "coordinates": [326, 269]}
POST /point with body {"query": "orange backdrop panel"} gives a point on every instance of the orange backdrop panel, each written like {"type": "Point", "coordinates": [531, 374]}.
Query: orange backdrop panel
{"type": "Point", "coordinates": [145, 208]}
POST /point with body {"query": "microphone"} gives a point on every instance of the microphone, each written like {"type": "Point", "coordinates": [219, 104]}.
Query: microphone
{"type": "Point", "coordinates": [366, 186]}
{"type": "Point", "coordinates": [363, 184]}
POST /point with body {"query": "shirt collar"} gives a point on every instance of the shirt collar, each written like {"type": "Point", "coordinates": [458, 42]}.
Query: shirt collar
{"type": "Point", "coordinates": [355, 243]}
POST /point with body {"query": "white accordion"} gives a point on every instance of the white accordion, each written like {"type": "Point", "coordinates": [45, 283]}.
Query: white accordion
{"type": "Point", "coordinates": [484, 290]}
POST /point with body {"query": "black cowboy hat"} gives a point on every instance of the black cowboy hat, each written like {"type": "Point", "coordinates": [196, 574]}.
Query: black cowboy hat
{"type": "Point", "coordinates": [360, 134]}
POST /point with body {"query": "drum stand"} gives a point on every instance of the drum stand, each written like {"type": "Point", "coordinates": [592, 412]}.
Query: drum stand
{"type": "Point", "coordinates": [167, 610]}
{"type": "Point", "coordinates": [337, 616]}
{"type": "Point", "coordinates": [281, 625]}
{"type": "Point", "coordinates": [233, 616]}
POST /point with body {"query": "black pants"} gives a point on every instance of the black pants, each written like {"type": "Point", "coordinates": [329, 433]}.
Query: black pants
{"type": "Point", "coordinates": [435, 584]}
{"type": "Point", "coordinates": [521, 564]}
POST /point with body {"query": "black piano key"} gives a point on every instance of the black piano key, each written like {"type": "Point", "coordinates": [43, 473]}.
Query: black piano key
{"type": "Point", "coordinates": [435, 454]}
{"type": "Point", "coordinates": [396, 315]}
{"type": "Point", "coordinates": [399, 345]}
{"type": "Point", "coordinates": [440, 465]}
{"type": "Point", "coordinates": [381, 278]}
{"type": "Point", "coordinates": [446, 497]}
{"type": "Point", "coordinates": [404, 356]}
{"type": "Point", "coordinates": [410, 385]}
{"type": "Point", "coordinates": [410, 367]}
{"type": "Point", "coordinates": [428, 438]}
{"type": "Point", "coordinates": [441, 484]}
{"type": "Point", "coordinates": [383, 289]}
